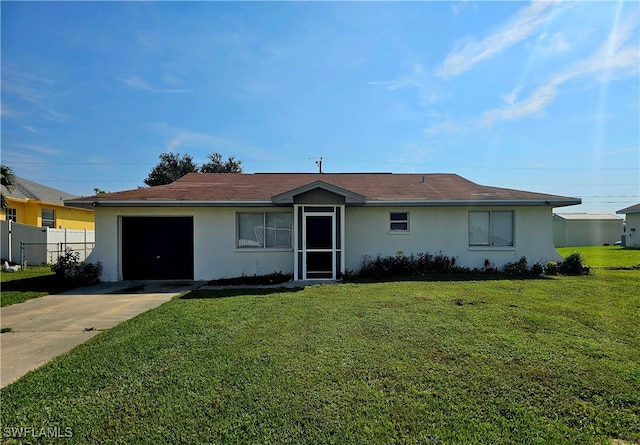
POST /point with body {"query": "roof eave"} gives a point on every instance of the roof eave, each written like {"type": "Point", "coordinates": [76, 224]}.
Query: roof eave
{"type": "Point", "coordinates": [159, 203]}
{"type": "Point", "coordinates": [476, 202]}
{"type": "Point", "coordinates": [92, 204]}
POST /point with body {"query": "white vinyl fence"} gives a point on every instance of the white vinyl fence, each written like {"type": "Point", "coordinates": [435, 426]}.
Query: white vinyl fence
{"type": "Point", "coordinates": [22, 244]}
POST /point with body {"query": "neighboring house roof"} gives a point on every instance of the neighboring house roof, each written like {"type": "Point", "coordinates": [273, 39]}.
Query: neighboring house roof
{"type": "Point", "coordinates": [588, 216]}
{"type": "Point", "coordinates": [633, 209]}
{"type": "Point", "coordinates": [209, 189]}
{"type": "Point", "coordinates": [24, 189]}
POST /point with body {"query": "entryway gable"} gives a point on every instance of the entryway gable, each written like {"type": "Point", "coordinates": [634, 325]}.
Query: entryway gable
{"type": "Point", "coordinates": [318, 191]}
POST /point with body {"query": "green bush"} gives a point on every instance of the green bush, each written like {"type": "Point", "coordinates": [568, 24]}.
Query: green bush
{"type": "Point", "coordinates": [517, 268]}
{"type": "Point", "coordinates": [255, 280]}
{"type": "Point", "coordinates": [68, 268]}
{"type": "Point", "coordinates": [402, 265]}
{"type": "Point", "coordinates": [573, 264]}
{"type": "Point", "coordinates": [552, 268]}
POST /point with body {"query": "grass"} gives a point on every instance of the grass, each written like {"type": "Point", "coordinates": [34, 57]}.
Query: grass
{"type": "Point", "coordinates": [553, 360]}
{"type": "Point", "coordinates": [32, 282]}
{"type": "Point", "coordinates": [605, 256]}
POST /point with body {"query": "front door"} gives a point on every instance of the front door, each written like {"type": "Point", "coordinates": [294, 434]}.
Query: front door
{"type": "Point", "coordinates": [319, 245]}
{"type": "Point", "coordinates": [157, 248]}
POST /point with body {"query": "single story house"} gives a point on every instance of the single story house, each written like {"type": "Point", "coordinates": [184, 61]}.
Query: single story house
{"type": "Point", "coordinates": [585, 229]}
{"type": "Point", "coordinates": [37, 205]}
{"type": "Point", "coordinates": [315, 226]}
{"type": "Point", "coordinates": [632, 226]}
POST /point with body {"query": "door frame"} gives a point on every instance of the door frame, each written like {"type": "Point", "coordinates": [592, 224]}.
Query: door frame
{"type": "Point", "coordinates": [300, 214]}
{"type": "Point", "coordinates": [122, 247]}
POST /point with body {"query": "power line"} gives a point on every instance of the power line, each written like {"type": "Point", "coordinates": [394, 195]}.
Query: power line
{"type": "Point", "coordinates": [481, 167]}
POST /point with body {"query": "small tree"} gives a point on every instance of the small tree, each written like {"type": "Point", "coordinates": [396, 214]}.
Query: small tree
{"type": "Point", "coordinates": [171, 167]}
{"type": "Point", "coordinates": [8, 178]}
{"type": "Point", "coordinates": [217, 165]}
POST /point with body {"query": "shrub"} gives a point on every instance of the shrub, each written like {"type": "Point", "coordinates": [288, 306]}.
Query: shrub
{"type": "Point", "coordinates": [552, 268]}
{"type": "Point", "coordinates": [69, 268]}
{"type": "Point", "coordinates": [489, 267]}
{"type": "Point", "coordinates": [402, 265]}
{"type": "Point", "coordinates": [518, 268]}
{"type": "Point", "coordinates": [537, 269]}
{"type": "Point", "coordinates": [255, 280]}
{"type": "Point", "coordinates": [65, 263]}
{"type": "Point", "coordinates": [422, 264]}
{"type": "Point", "coordinates": [573, 264]}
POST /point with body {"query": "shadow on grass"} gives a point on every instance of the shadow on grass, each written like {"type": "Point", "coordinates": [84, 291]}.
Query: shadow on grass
{"type": "Point", "coordinates": [48, 283]}
{"type": "Point", "coordinates": [451, 277]}
{"type": "Point", "coordinates": [236, 292]}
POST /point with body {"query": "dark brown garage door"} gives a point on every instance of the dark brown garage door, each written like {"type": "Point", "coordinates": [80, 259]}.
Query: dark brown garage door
{"type": "Point", "coordinates": [157, 248]}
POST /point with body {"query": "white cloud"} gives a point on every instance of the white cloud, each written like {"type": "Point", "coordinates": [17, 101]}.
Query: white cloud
{"type": "Point", "coordinates": [446, 126]}
{"type": "Point", "coordinates": [531, 106]}
{"type": "Point", "coordinates": [428, 92]}
{"type": "Point", "coordinates": [7, 111]}
{"type": "Point", "coordinates": [606, 62]}
{"type": "Point", "coordinates": [522, 25]}
{"type": "Point", "coordinates": [56, 116]}
{"type": "Point", "coordinates": [188, 138]}
{"type": "Point", "coordinates": [30, 128]}
{"type": "Point", "coordinates": [511, 97]}
{"type": "Point", "coordinates": [556, 44]}
{"type": "Point", "coordinates": [139, 84]}
{"type": "Point", "coordinates": [38, 149]}
{"type": "Point", "coordinates": [623, 150]}
{"type": "Point", "coordinates": [458, 7]}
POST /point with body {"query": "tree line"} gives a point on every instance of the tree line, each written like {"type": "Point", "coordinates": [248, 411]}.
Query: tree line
{"type": "Point", "coordinates": [170, 168]}
{"type": "Point", "coordinates": [173, 166]}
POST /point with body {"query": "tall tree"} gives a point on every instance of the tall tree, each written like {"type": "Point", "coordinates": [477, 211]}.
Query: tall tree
{"type": "Point", "coordinates": [7, 179]}
{"type": "Point", "coordinates": [171, 167]}
{"type": "Point", "coordinates": [217, 165]}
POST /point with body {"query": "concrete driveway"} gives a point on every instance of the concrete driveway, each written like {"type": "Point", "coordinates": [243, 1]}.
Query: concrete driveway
{"type": "Point", "coordinates": [45, 327]}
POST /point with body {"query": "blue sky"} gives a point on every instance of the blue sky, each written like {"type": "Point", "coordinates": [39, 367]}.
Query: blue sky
{"type": "Point", "coordinates": [540, 96]}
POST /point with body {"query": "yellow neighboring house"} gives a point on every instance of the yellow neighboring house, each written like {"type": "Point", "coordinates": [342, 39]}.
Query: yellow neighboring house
{"type": "Point", "coordinates": [41, 206]}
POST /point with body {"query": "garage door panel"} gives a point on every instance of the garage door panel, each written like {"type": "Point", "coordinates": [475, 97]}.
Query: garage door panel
{"type": "Point", "coordinates": [157, 248]}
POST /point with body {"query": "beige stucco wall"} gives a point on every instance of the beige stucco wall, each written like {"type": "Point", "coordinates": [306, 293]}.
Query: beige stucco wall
{"type": "Point", "coordinates": [432, 230]}
{"type": "Point", "coordinates": [445, 229]}
{"type": "Point", "coordinates": [214, 232]}
{"type": "Point", "coordinates": [632, 236]}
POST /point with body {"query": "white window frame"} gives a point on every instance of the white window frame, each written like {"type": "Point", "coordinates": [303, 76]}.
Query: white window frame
{"type": "Point", "coordinates": [399, 221]}
{"type": "Point", "coordinates": [490, 244]}
{"type": "Point", "coordinates": [260, 244]}
{"type": "Point", "coordinates": [11, 214]}
{"type": "Point", "coordinates": [51, 221]}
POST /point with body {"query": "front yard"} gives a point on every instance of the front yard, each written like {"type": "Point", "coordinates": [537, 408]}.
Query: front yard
{"type": "Point", "coordinates": [600, 257]}
{"type": "Point", "coordinates": [552, 360]}
{"type": "Point", "coordinates": [32, 282]}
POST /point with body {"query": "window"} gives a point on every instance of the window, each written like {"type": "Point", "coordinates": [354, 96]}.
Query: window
{"type": "Point", "coordinates": [264, 230]}
{"type": "Point", "coordinates": [491, 228]}
{"type": "Point", "coordinates": [399, 221]}
{"type": "Point", "coordinates": [11, 214]}
{"type": "Point", "coordinates": [48, 218]}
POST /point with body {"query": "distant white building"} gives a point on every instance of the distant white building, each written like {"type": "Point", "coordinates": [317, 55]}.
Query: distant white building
{"type": "Point", "coordinates": [631, 234]}
{"type": "Point", "coordinates": [585, 229]}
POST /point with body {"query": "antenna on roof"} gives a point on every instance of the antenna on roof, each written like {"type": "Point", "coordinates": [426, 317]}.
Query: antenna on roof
{"type": "Point", "coordinates": [319, 164]}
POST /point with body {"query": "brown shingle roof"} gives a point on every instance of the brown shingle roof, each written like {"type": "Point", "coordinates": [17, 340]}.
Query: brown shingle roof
{"type": "Point", "coordinates": [632, 209]}
{"type": "Point", "coordinates": [376, 188]}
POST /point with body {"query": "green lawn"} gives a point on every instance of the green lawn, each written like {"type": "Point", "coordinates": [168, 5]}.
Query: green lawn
{"type": "Point", "coordinates": [554, 360]}
{"type": "Point", "coordinates": [32, 282]}
{"type": "Point", "coordinates": [605, 256]}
